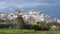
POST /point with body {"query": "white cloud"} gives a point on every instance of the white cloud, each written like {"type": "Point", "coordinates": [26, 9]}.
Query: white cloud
{"type": "Point", "coordinates": [30, 4]}
{"type": "Point", "coordinates": [22, 3]}
{"type": "Point", "coordinates": [2, 3]}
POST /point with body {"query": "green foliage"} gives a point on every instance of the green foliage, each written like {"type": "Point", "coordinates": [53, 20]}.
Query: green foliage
{"type": "Point", "coordinates": [4, 26]}
{"type": "Point", "coordinates": [18, 31]}
{"type": "Point", "coordinates": [47, 26]}
{"type": "Point", "coordinates": [32, 27]}
{"type": "Point", "coordinates": [44, 25]}
{"type": "Point", "coordinates": [21, 22]}
{"type": "Point", "coordinates": [1, 21]}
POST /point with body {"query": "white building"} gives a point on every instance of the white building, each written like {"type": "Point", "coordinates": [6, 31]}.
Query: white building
{"type": "Point", "coordinates": [58, 20]}
{"type": "Point", "coordinates": [3, 16]}
{"type": "Point", "coordinates": [36, 16]}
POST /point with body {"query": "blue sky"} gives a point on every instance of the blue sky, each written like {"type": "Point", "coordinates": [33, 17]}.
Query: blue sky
{"type": "Point", "coordinates": [50, 7]}
{"type": "Point", "coordinates": [28, 3]}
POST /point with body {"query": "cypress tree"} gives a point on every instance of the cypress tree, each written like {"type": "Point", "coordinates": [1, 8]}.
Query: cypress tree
{"type": "Point", "coordinates": [21, 22]}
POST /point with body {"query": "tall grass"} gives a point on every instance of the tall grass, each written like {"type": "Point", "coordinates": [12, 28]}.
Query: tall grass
{"type": "Point", "coordinates": [20, 31]}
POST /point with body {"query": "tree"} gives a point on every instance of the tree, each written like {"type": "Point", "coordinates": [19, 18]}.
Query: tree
{"type": "Point", "coordinates": [43, 25]}
{"type": "Point", "coordinates": [21, 22]}
{"type": "Point", "coordinates": [1, 21]}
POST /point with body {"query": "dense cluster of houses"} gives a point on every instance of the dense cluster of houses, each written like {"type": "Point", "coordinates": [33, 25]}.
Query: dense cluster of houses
{"type": "Point", "coordinates": [30, 16]}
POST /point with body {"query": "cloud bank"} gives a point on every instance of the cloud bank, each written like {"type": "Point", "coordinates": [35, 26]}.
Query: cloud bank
{"type": "Point", "coordinates": [27, 3]}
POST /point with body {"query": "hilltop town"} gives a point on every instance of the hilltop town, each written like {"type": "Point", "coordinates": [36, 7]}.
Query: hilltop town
{"type": "Point", "coordinates": [31, 16]}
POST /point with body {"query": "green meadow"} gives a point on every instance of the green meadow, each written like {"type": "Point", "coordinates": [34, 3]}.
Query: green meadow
{"type": "Point", "coordinates": [20, 31]}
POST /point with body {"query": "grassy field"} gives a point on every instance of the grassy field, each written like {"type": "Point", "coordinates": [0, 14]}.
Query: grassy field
{"type": "Point", "coordinates": [18, 31]}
